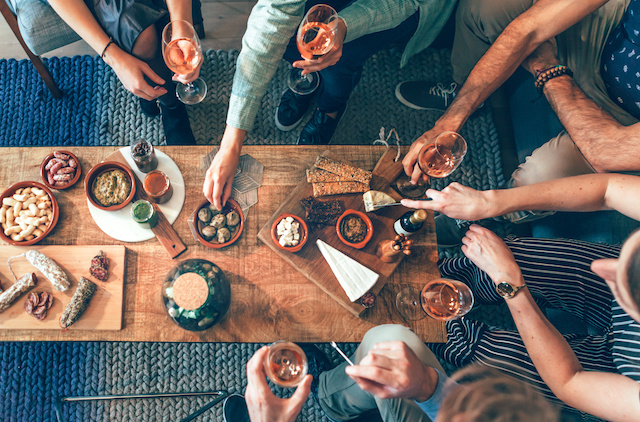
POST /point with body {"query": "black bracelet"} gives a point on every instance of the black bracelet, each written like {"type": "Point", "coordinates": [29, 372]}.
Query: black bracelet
{"type": "Point", "coordinates": [544, 75]}
{"type": "Point", "coordinates": [105, 48]}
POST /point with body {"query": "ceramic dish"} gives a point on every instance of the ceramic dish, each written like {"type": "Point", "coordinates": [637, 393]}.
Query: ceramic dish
{"type": "Point", "coordinates": [55, 212]}
{"type": "Point", "coordinates": [304, 233]}
{"type": "Point", "coordinates": [367, 222]}
{"type": "Point", "coordinates": [44, 171]}
{"type": "Point", "coordinates": [197, 225]}
{"type": "Point", "coordinates": [100, 168]}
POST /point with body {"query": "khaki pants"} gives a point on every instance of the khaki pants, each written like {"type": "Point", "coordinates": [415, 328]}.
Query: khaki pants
{"type": "Point", "coordinates": [342, 399]}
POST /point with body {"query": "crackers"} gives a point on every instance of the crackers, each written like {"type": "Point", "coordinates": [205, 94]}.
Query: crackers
{"type": "Point", "coordinates": [332, 177]}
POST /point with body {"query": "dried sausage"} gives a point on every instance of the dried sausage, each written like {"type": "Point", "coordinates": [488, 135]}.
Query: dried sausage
{"type": "Point", "coordinates": [47, 266]}
{"type": "Point", "coordinates": [79, 302]}
{"type": "Point", "coordinates": [24, 283]}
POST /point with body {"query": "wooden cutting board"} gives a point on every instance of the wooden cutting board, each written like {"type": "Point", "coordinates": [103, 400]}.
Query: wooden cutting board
{"type": "Point", "coordinates": [310, 262]}
{"type": "Point", "coordinates": [105, 309]}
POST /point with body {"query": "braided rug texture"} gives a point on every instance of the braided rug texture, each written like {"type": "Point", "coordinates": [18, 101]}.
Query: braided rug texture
{"type": "Point", "coordinates": [97, 110]}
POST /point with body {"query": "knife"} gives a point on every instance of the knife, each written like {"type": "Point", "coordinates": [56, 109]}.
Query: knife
{"type": "Point", "coordinates": [377, 207]}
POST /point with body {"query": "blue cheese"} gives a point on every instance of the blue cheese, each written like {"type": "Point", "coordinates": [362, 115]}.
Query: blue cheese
{"type": "Point", "coordinates": [355, 278]}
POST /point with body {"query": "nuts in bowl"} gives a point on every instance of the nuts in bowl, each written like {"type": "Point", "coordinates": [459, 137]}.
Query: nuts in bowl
{"type": "Point", "coordinates": [289, 232]}
{"type": "Point", "coordinates": [217, 229]}
{"type": "Point", "coordinates": [60, 170]}
{"type": "Point", "coordinates": [28, 214]}
{"type": "Point", "coordinates": [110, 186]}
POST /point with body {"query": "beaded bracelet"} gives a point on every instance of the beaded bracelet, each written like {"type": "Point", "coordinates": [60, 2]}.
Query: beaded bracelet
{"type": "Point", "coordinates": [544, 75]}
{"type": "Point", "coordinates": [105, 48]}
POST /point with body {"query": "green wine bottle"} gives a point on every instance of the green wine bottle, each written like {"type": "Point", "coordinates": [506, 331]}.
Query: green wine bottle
{"type": "Point", "coordinates": [410, 222]}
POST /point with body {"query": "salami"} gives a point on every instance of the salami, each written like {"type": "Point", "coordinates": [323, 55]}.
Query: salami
{"type": "Point", "coordinates": [24, 283]}
{"type": "Point", "coordinates": [47, 266]}
{"type": "Point", "coordinates": [79, 302]}
{"type": "Point", "coordinates": [100, 266]}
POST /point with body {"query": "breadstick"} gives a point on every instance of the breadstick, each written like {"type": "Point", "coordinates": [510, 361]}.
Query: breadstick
{"type": "Point", "coordinates": [21, 285]}
{"type": "Point", "coordinates": [47, 266]}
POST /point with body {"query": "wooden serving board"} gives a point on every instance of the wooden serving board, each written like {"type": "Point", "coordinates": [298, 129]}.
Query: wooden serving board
{"type": "Point", "coordinates": [310, 262]}
{"type": "Point", "coordinates": [105, 309]}
{"type": "Point", "coordinates": [163, 231]}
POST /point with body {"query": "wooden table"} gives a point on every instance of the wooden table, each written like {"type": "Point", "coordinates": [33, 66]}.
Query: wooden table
{"type": "Point", "coordinates": [270, 300]}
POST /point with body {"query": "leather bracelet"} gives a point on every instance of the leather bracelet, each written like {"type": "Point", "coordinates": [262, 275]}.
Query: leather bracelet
{"type": "Point", "coordinates": [544, 75]}
{"type": "Point", "coordinates": [105, 48]}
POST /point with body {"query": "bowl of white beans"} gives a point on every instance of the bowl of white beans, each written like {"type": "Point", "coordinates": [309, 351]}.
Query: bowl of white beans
{"type": "Point", "coordinates": [28, 213]}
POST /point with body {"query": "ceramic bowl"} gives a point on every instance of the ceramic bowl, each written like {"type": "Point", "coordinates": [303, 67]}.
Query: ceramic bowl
{"type": "Point", "coordinates": [195, 224]}
{"type": "Point", "coordinates": [10, 191]}
{"type": "Point", "coordinates": [367, 222]}
{"type": "Point", "coordinates": [43, 171]}
{"type": "Point", "coordinates": [99, 169]}
{"type": "Point", "coordinates": [304, 233]}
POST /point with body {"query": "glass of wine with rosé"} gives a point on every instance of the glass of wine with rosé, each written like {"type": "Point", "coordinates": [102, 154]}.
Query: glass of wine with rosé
{"type": "Point", "coordinates": [446, 299]}
{"type": "Point", "coordinates": [285, 364]}
{"type": "Point", "coordinates": [442, 156]}
{"type": "Point", "coordinates": [183, 54]}
{"type": "Point", "coordinates": [315, 38]}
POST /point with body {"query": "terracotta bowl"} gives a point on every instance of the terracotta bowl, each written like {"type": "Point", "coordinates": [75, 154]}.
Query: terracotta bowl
{"type": "Point", "coordinates": [304, 233]}
{"type": "Point", "coordinates": [99, 169]}
{"type": "Point", "coordinates": [43, 172]}
{"type": "Point", "coordinates": [367, 222]}
{"type": "Point", "coordinates": [54, 208]}
{"type": "Point", "coordinates": [230, 205]}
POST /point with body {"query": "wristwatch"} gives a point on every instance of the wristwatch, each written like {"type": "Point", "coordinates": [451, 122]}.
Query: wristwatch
{"type": "Point", "coordinates": [507, 290]}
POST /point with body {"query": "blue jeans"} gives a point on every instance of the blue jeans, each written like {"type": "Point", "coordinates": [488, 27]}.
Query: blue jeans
{"type": "Point", "coordinates": [534, 123]}
{"type": "Point", "coordinates": [339, 80]}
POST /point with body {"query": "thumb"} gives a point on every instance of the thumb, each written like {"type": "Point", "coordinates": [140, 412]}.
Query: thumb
{"type": "Point", "coordinates": [302, 392]}
{"type": "Point", "coordinates": [152, 75]}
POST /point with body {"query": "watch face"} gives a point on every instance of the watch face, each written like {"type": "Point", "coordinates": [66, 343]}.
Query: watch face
{"type": "Point", "coordinates": [505, 289]}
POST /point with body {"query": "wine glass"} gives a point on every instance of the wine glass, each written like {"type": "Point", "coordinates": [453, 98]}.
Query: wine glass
{"type": "Point", "coordinates": [409, 190]}
{"type": "Point", "coordinates": [446, 299]}
{"type": "Point", "coordinates": [183, 54]}
{"type": "Point", "coordinates": [315, 38]}
{"type": "Point", "coordinates": [441, 299]}
{"type": "Point", "coordinates": [285, 363]}
{"type": "Point", "coordinates": [442, 156]}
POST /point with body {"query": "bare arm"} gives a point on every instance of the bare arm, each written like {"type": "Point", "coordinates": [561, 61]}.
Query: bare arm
{"type": "Point", "coordinates": [590, 192]}
{"type": "Point", "coordinates": [545, 19]}
{"type": "Point", "coordinates": [555, 361]}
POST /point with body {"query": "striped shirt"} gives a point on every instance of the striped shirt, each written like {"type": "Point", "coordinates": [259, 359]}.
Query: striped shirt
{"type": "Point", "coordinates": [626, 343]}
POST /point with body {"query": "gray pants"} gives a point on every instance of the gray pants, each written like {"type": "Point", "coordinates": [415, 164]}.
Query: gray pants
{"type": "Point", "coordinates": [478, 25]}
{"type": "Point", "coordinates": [342, 399]}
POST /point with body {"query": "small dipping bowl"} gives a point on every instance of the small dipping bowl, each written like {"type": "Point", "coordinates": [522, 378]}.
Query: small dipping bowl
{"type": "Point", "coordinates": [100, 168]}
{"type": "Point", "coordinates": [68, 184]}
{"type": "Point", "coordinates": [55, 212]}
{"type": "Point", "coordinates": [143, 154]}
{"type": "Point", "coordinates": [158, 187]}
{"type": "Point", "coordinates": [143, 213]}
{"type": "Point", "coordinates": [367, 221]}
{"type": "Point", "coordinates": [194, 223]}
{"type": "Point", "coordinates": [304, 233]}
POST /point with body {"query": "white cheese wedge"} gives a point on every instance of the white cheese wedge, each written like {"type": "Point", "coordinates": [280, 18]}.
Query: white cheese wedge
{"type": "Point", "coordinates": [373, 198]}
{"type": "Point", "coordinates": [355, 278]}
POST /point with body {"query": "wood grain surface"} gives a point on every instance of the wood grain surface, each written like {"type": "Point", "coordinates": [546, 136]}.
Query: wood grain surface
{"type": "Point", "coordinates": [270, 300]}
{"type": "Point", "coordinates": [310, 262]}
{"type": "Point", "coordinates": [105, 309]}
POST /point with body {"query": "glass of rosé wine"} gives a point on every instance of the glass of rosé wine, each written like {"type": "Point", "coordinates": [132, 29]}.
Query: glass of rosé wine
{"type": "Point", "coordinates": [315, 38]}
{"type": "Point", "coordinates": [441, 299]}
{"type": "Point", "coordinates": [285, 364]}
{"type": "Point", "coordinates": [442, 156]}
{"type": "Point", "coordinates": [183, 54]}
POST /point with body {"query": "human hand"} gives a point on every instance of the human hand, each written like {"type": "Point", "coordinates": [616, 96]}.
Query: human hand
{"type": "Point", "coordinates": [491, 255]}
{"type": "Point", "coordinates": [543, 57]}
{"type": "Point", "coordinates": [131, 72]}
{"type": "Point", "coordinates": [262, 404]}
{"type": "Point", "coordinates": [219, 178]}
{"type": "Point", "coordinates": [455, 201]}
{"type": "Point", "coordinates": [392, 370]}
{"type": "Point", "coordinates": [188, 50]}
{"type": "Point", "coordinates": [410, 160]}
{"type": "Point", "coordinates": [326, 60]}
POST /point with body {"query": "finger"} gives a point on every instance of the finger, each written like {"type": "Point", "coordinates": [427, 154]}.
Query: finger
{"type": "Point", "coordinates": [408, 163]}
{"type": "Point", "coordinates": [425, 205]}
{"type": "Point", "coordinates": [302, 392]}
{"type": "Point", "coordinates": [207, 188]}
{"type": "Point", "coordinates": [149, 73]}
{"type": "Point", "coordinates": [216, 195]}
{"type": "Point", "coordinates": [417, 173]}
{"type": "Point", "coordinates": [370, 386]}
{"type": "Point", "coordinates": [227, 192]}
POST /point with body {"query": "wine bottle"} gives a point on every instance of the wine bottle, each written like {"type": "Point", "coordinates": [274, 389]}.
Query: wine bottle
{"type": "Point", "coordinates": [410, 222]}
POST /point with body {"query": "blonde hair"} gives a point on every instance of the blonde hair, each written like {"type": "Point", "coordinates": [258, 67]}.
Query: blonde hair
{"type": "Point", "coordinates": [486, 395]}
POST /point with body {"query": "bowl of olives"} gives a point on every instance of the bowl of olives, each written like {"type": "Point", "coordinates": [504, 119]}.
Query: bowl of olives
{"type": "Point", "coordinates": [217, 229]}
{"type": "Point", "coordinates": [196, 294]}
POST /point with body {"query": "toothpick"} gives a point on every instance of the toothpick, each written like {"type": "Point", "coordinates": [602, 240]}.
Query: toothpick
{"type": "Point", "coordinates": [335, 346]}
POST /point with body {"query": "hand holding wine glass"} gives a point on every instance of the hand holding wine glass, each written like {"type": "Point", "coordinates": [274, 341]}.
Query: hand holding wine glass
{"type": "Point", "coordinates": [183, 55]}
{"type": "Point", "coordinates": [315, 38]}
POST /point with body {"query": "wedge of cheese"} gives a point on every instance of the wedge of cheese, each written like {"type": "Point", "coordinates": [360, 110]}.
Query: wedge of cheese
{"type": "Point", "coordinates": [374, 198]}
{"type": "Point", "coordinates": [355, 278]}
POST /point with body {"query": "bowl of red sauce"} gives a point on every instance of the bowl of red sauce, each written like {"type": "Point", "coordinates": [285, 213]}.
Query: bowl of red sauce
{"type": "Point", "coordinates": [157, 186]}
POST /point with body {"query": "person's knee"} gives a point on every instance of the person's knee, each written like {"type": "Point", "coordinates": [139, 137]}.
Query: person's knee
{"type": "Point", "coordinates": [146, 45]}
{"type": "Point", "coordinates": [489, 17]}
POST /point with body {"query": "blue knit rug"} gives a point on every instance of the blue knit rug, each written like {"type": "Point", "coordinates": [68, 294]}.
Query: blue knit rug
{"type": "Point", "coordinates": [97, 110]}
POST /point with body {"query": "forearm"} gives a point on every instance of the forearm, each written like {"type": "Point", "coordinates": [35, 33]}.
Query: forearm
{"type": "Point", "coordinates": [180, 10]}
{"type": "Point", "coordinates": [605, 143]}
{"type": "Point", "coordinates": [78, 16]}
{"type": "Point", "coordinates": [232, 139]}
